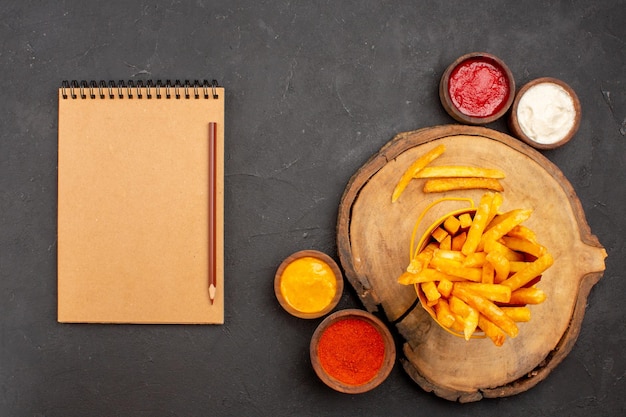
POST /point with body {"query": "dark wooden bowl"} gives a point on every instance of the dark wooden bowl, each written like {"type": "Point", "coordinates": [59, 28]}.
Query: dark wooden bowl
{"type": "Point", "coordinates": [452, 109]}
{"type": "Point", "coordinates": [322, 257]}
{"type": "Point", "coordinates": [517, 130]}
{"type": "Point", "coordinates": [388, 361]}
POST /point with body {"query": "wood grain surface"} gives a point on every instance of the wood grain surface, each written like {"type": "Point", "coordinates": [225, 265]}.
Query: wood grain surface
{"type": "Point", "coordinates": [373, 238]}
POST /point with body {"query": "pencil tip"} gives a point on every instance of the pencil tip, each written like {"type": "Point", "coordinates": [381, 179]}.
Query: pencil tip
{"type": "Point", "coordinates": [212, 293]}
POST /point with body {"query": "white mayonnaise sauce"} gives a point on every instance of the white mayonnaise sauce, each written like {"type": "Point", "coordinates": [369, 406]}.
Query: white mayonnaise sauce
{"type": "Point", "coordinates": [546, 113]}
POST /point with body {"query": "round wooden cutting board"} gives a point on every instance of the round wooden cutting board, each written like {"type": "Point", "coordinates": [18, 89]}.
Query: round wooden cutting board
{"type": "Point", "coordinates": [373, 238]}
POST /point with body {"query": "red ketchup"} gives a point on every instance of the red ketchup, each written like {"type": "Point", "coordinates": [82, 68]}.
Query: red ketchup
{"type": "Point", "coordinates": [478, 87]}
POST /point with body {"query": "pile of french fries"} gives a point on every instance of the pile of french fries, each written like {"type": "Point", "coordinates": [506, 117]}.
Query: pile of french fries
{"type": "Point", "coordinates": [447, 178]}
{"type": "Point", "coordinates": [478, 270]}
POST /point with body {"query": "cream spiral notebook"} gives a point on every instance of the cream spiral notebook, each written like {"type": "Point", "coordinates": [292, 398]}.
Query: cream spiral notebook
{"type": "Point", "coordinates": [140, 202]}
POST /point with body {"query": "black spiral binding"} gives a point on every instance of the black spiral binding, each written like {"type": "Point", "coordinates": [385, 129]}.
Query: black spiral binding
{"type": "Point", "coordinates": [139, 90]}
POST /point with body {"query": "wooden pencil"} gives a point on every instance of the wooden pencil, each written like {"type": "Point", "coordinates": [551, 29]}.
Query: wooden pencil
{"type": "Point", "coordinates": [212, 210]}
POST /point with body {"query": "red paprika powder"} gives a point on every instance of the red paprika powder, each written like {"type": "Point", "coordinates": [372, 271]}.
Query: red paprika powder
{"type": "Point", "coordinates": [478, 87]}
{"type": "Point", "coordinates": [352, 351]}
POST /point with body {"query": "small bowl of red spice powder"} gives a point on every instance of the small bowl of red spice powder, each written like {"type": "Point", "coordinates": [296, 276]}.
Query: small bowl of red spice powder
{"type": "Point", "coordinates": [352, 351]}
{"type": "Point", "coordinates": [478, 88]}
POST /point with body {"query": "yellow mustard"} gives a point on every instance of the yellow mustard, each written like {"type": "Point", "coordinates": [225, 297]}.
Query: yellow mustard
{"type": "Point", "coordinates": [308, 284]}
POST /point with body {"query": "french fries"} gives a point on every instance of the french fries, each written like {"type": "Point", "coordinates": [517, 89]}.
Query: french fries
{"type": "Point", "coordinates": [492, 292]}
{"type": "Point", "coordinates": [468, 315]}
{"type": "Point", "coordinates": [534, 269]}
{"type": "Point", "coordinates": [440, 185]}
{"type": "Point", "coordinates": [444, 314]}
{"type": "Point", "coordinates": [525, 296]}
{"type": "Point", "coordinates": [488, 309]}
{"type": "Point", "coordinates": [504, 224]}
{"type": "Point", "coordinates": [479, 222]}
{"type": "Point", "coordinates": [447, 178]}
{"type": "Point", "coordinates": [458, 171]}
{"type": "Point", "coordinates": [492, 331]}
{"type": "Point", "coordinates": [487, 279]}
{"type": "Point", "coordinates": [415, 167]}
{"type": "Point", "coordinates": [517, 314]}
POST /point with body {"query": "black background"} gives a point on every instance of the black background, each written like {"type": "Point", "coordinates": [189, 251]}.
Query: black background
{"type": "Point", "coordinates": [313, 89]}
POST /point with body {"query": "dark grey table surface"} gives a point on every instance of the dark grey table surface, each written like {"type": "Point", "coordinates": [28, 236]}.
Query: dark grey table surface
{"type": "Point", "coordinates": [313, 89]}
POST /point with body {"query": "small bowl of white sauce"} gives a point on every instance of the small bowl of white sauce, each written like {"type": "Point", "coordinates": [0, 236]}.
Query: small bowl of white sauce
{"type": "Point", "coordinates": [545, 113]}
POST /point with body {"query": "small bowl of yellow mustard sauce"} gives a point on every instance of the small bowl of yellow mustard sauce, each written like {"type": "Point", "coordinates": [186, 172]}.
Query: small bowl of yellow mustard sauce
{"type": "Point", "coordinates": [308, 284]}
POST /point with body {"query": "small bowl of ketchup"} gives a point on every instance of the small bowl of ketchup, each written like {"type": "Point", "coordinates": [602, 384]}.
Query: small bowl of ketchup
{"type": "Point", "coordinates": [478, 88]}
